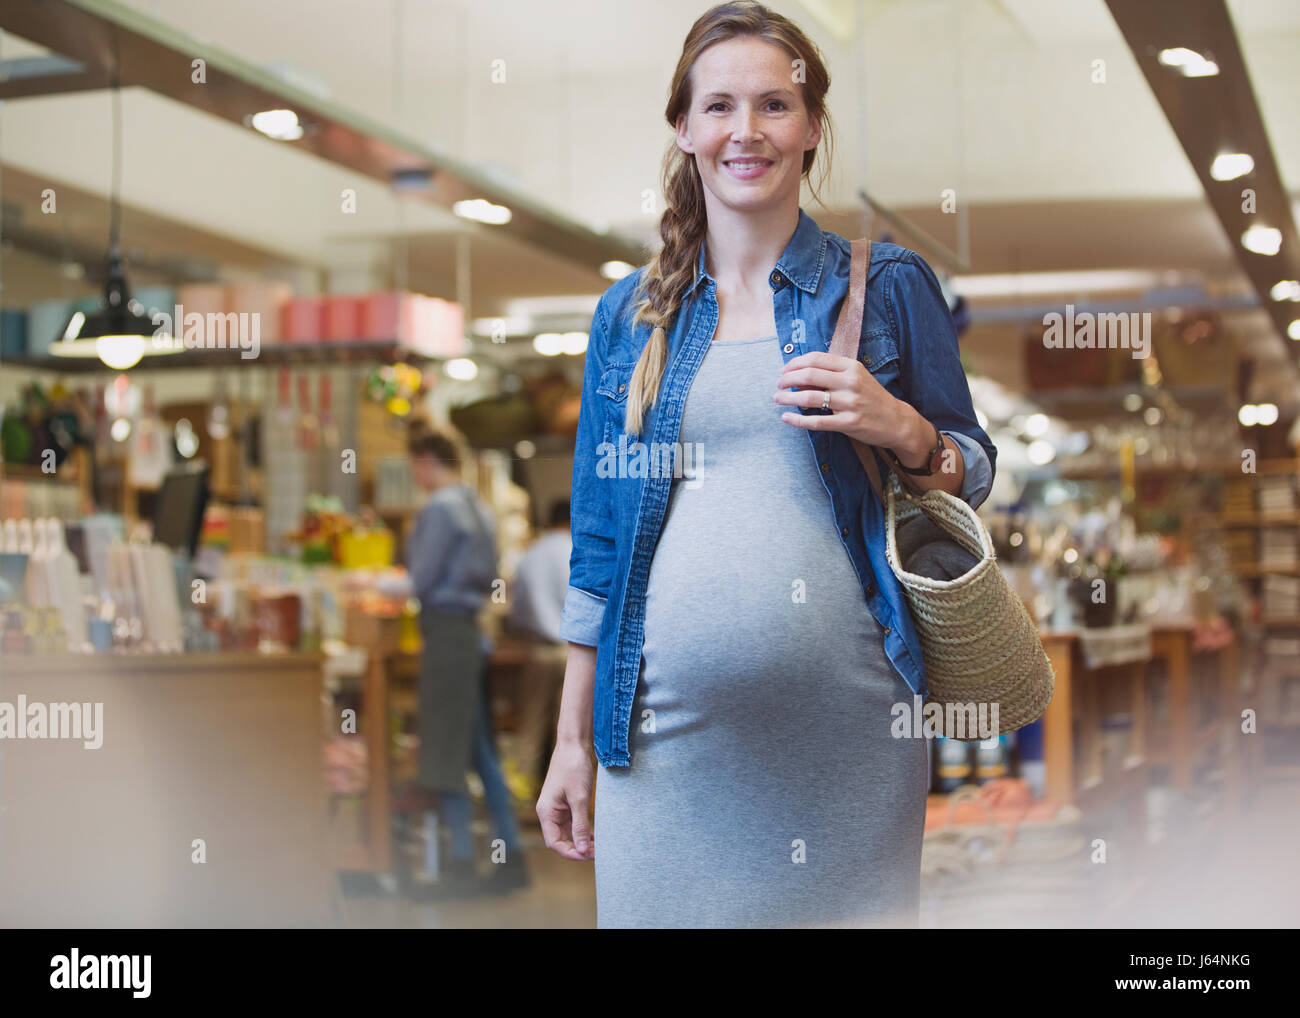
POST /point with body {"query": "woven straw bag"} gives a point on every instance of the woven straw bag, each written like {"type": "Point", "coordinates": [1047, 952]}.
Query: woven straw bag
{"type": "Point", "coordinates": [979, 643]}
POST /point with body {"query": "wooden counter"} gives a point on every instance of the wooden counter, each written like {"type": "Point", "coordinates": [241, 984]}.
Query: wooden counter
{"type": "Point", "coordinates": [226, 748]}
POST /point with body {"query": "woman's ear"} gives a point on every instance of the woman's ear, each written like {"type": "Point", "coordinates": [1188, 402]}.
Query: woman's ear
{"type": "Point", "coordinates": [814, 134]}
{"type": "Point", "coordinates": [684, 135]}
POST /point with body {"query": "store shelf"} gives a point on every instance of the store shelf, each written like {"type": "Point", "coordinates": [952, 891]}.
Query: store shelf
{"type": "Point", "coordinates": [353, 352]}
{"type": "Point", "coordinates": [1262, 520]}
{"type": "Point", "coordinates": [1254, 570]}
{"type": "Point", "coordinates": [1228, 468]}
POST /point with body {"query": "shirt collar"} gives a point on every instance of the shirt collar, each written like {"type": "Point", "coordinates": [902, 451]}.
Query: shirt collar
{"type": "Point", "coordinates": [800, 262]}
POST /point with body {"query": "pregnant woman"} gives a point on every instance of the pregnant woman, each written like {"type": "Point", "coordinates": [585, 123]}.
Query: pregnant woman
{"type": "Point", "coordinates": [737, 641]}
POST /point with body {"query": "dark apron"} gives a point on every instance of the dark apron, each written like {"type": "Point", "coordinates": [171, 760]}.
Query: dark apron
{"type": "Point", "coordinates": [449, 693]}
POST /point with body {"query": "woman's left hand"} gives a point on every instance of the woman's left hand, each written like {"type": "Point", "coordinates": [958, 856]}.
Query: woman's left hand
{"type": "Point", "coordinates": [860, 406]}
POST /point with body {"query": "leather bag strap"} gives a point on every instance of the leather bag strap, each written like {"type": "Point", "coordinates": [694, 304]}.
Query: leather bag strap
{"type": "Point", "coordinates": [844, 343]}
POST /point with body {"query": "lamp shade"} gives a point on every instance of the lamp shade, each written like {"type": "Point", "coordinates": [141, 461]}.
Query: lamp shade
{"type": "Point", "coordinates": [119, 332]}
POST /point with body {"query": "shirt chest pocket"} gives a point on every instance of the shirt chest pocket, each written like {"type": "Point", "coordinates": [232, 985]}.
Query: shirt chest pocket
{"type": "Point", "coordinates": [878, 353]}
{"type": "Point", "coordinates": [613, 387]}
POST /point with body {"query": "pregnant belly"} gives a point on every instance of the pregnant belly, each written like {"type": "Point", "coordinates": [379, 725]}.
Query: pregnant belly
{"type": "Point", "coordinates": [739, 628]}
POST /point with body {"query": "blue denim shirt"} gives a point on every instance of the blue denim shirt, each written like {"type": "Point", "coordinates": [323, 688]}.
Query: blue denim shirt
{"type": "Point", "coordinates": [908, 343]}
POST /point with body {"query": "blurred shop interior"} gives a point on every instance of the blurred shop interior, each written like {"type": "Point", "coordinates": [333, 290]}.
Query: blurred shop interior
{"type": "Point", "coordinates": [416, 210]}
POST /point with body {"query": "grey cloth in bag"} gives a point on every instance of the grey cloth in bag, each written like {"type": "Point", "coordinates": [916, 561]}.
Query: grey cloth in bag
{"type": "Point", "coordinates": [927, 550]}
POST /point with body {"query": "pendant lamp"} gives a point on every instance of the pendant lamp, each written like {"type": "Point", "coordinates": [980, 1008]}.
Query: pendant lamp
{"type": "Point", "coordinates": [119, 333]}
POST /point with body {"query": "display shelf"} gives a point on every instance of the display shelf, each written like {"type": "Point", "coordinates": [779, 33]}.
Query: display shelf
{"type": "Point", "coordinates": [74, 471]}
{"type": "Point", "coordinates": [1073, 749]}
{"type": "Point", "coordinates": [1188, 734]}
{"type": "Point", "coordinates": [1227, 468]}
{"type": "Point", "coordinates": [351, 352]}
{"type": "Point", "coordinates": [1261, 520]}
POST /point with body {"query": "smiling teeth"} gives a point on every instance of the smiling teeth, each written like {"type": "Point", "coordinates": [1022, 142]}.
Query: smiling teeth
{"type": "Point", "coordinates": [746, 166]}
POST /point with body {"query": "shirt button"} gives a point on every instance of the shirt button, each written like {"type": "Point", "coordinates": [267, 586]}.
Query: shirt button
{"type": "Point", "coordinates": [788, 348]}
{"type": "Point", "coordinates": [844, 531]}
{"type": "Point", "coordinates": [871, 592]}
{"type": "Point", "coordinates": [888, 630]}
{"type": "Point", "coordinates": [826, 468]}
{"type": "Point", "coordinates": [621, 388]}
{"type": "Point", "coordinates": [776, 279]}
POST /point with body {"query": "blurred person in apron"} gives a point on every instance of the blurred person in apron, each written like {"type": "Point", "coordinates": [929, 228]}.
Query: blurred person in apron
{"type": "Point", "coordinates": [451, 556]}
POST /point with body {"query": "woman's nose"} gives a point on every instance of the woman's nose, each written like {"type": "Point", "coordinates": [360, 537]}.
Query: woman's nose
{"type": "Point", "coordinates": [745, 127]}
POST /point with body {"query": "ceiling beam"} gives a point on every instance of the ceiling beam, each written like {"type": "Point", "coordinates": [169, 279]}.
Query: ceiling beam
{"type": "Point", "coordinates": [156, 56]}
{"type": "Point", "coordinates": [1214, 114]}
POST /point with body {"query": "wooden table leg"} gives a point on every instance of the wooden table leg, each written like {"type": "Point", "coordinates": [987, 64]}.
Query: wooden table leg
{"type": "Point", "coordinates": [375, 714]}
{"type": "Point", "coordinates": [1180, 712]}
{"type": "Point", "coordinates": [1058, 733]}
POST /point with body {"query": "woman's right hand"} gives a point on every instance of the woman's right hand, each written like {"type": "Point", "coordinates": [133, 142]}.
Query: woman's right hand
{"type": "Point", "coordinates": [563, 804]}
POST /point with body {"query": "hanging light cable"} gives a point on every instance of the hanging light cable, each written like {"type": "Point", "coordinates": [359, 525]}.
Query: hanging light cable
{"type": "Point", "coordinates": [118, 333]}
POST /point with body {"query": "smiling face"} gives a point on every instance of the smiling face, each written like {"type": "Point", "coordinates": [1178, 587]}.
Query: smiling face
{"type": "Point", "coordinates": [747, 125]}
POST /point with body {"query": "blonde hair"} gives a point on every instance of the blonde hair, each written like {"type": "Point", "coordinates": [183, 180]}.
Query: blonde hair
{"type": "Point", "coordinates": [683, 224]}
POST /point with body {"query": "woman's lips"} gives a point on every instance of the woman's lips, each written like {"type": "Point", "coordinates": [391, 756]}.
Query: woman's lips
{"type": "Point", "coordinates": [747, 169]}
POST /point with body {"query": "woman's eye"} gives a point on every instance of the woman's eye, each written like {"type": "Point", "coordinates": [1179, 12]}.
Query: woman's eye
{"type": "Point", "coordinates": [778, 103]}
{"type": "Point", "coordinates": [714, 106]}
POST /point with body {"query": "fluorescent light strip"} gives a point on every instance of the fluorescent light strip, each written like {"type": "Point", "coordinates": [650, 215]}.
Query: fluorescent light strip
{"type": "Point", "coordinates": [1033, 283]}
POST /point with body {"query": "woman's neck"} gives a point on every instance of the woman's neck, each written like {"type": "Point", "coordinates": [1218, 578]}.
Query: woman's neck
{"type": "Point", "coordinates": [742, 247]}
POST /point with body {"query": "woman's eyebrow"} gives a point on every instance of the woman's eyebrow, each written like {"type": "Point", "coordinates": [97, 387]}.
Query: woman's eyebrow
{"type": "Point", "coordinates": [761, 95]}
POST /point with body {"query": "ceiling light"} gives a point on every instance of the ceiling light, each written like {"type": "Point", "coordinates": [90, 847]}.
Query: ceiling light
{"type": "Point", "coordinates": [120, 352]}
{"type": "Point", "coordinates": [1293, 330]}
{"type": "Point", "coordinates": [1264, 240]}
{"type": "Point", "coordinates": [1036, 425]}
{"type": "Point", "coordinates": [1231, 165]}
{"type": "Point", "coordinates": [1188, 62]}
{"type": "Point", "coordinates": [1024, 284]}
{"type": "Point", "coordinates": [462, 369]}
{"type": "Point", "coordinates": [548, 344]}
{"type": "Point", "coordinates": [1266, 413]}
{"type": "Point", "coordinates": [482, 211]}
{"type": "Point", "coordinates": [1040, 452]}
{"type": "Point", "coordinates": [282, 125]}
{"type": "Point", "coordinates": [116, 333]}
{"type": "Point", "coordinates": [616, 269]}
{"type": "Point", "coordinates": [573, 343]}
{"type": "Point", "coordinates": [1287, 289]}
{"type": "Point", "coordinates": [1248, 415]}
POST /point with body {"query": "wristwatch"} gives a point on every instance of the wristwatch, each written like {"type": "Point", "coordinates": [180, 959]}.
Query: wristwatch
{"type": "Point", "coordinates": [931, 463]}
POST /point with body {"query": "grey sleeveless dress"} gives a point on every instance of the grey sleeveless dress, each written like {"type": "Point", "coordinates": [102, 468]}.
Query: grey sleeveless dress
{"type": "Point", "coordinates": [765, 788]}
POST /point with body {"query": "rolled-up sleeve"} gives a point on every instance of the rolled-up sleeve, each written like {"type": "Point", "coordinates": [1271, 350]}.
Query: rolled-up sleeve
{"type": "Point", "coordinates": [931, 373]}
{"type": "Point", "coordinates": [591, 563]}
{"type": "Point", "coordinates": [977, 480]}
